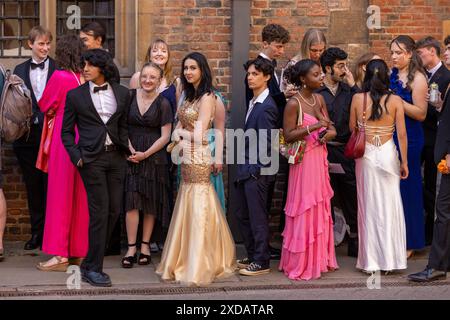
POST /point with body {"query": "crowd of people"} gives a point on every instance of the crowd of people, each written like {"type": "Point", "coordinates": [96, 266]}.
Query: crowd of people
{"type": "Point", "coordinates": [97, 148]}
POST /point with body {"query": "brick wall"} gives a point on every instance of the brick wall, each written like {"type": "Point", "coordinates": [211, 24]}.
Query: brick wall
{"type": "Point", "coordinates": [205, 26]}
{"type": "Point", "coordinates": [417, 18]}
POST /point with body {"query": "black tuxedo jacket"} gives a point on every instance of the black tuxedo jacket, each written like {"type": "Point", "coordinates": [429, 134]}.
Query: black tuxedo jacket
{"type": "Point", "coordinates": [264, 116]}
{"type": "Point", "coordinates": [442, 78]}
{"type": "Point", "coordinates": [442, 146]}
{"type": "Point", "coordinates": [80, 112]}
{"type": "Point", "coordinates": [275, 92]}
{"type": "Point", "coordinates": [23, 71]}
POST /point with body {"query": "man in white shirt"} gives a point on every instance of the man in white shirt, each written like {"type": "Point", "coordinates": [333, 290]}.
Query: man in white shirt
{"type": "Point", "coordinates": [99, 110]}
{"type": "Point", "coordinates": [35, 72]}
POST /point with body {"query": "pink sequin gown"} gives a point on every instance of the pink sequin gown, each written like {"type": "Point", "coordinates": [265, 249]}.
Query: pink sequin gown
{"type": "Point", "coordinates": [67, 212]}
{"type": "Point", "coordinates": [308, 244]}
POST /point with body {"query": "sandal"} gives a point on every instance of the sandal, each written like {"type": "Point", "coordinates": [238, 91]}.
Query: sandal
{"type": "Point", "coordinates": [60, 266]}
{"type": "Point", "coordinates": [144, 259]}
{"type": "Point", "coordinates": [128, 262]}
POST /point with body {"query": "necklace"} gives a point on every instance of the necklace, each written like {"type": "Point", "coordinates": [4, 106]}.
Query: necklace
{"type": "Point", "coordinates": [309, 104]}
{"type": "Point", "coordinates": [332, 87]}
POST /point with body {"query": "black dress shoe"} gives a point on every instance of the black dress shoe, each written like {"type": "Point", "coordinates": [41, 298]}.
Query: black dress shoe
{"type": "Point", "coordinates": [275, 254]}
{"type": "Point", "coordinates": [96, 279]}
{"type": "Point", "coordinates": [34, 243]}
{"type": "Point", "coordinates": [352, 249]}
{"type": "Point", "coordinates": [427, 275]}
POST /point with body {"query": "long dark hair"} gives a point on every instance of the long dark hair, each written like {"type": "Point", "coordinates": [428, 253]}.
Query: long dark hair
{"type": "Point", "coordinates": [300, 69]}
{"type": "Point", "coordinates": [103, 60]}
{"type": "Point", "coordinates": [205, 85]}
{"type": "Point", "coordinates": [376, 82]}
{"type": "Point", "coordinates": [416, 63]}
{"type": "Point", "coordinates": [68, 53]}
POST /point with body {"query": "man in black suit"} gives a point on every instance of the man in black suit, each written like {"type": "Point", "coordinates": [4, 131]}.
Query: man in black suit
{"type": "Point", "coordinates": [274, 38]}
{"type": "Point", "coordinates": [93, 36]}
{"type": "Point", "coordinates": [99, 109]}
{"type": "Point", "coordinates": [429, 50]}
{"type": "Point", "coordinates": [35, 72]}
{"type": "Point", "coordinates": [439, 259]}
{"type": "Point", "coordinates": [253, 179]}
{"type": "Point", "coordinates": [338, 91]}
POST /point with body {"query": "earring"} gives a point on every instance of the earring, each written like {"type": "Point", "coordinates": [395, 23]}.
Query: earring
{"type": "Point", "coordinates": [304, 86]}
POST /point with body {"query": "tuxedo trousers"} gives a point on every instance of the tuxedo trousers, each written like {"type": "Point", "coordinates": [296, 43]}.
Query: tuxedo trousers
{"type": "Point", "coordinates": [440, 248]}
{"type": "Point", "coordinates": [104, 182]}
{"type": "Point", "coordinates": [253, 217]}
{"type": "Point", "coordinates": [344, 186]}
{"type": "Point", "coordinates": [26, 150]}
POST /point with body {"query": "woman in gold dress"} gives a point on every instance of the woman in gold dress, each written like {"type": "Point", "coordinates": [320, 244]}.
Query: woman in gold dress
{"type": "Point", "coordinates": [199, 247]}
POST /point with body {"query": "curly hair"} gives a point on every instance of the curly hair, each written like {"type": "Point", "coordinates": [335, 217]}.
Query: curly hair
{"type": "Point", "coordinates": [447, 40]}
{"type": "Point", "coordinates": [407, 44]}
{"type": "Point", "coordinates": [275, 32]}
{"type": "Point", "coordinates": [205, 85]}
{"type": "Point", "coordinates": [103, 60]}
{"type": "Point", "coordinates": [329, 57]}
{"type": "Point", "coordinates": [298, 70]}
{"type": "Point", "coordinates": [68, 53]}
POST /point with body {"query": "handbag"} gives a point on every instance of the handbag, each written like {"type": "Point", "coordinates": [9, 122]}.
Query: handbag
{"type": "Point", "coordinates": [356, 145]}
{"type": "Point", "coordinates": [295, 151]}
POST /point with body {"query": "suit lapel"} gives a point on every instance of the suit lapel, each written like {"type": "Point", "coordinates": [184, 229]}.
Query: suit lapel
{"type": "Point", "coordinates": [28, 81]}
{"type": "Point", "coordinates": [118, 100]}
{"type": "Point", "coordinates": [51, 68]}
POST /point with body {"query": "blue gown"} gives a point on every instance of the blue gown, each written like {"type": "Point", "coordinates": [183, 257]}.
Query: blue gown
{"type": "Point", "coordinates": [411, 188]}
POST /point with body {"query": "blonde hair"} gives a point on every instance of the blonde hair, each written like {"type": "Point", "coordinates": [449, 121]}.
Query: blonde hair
{"type": "Point", "coordinates": [312, 36]}
{"type": "Point", "coordinates": [168, 70]}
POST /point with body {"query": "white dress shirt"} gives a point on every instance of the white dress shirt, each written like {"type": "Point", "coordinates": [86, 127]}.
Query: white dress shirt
{"type": "Point", "coordinates": [105, 103]}
{"type": "Point", "coordinates": [432, 71]}
{"type": "Point", "coordinates": [274, 70]}
{"type": "Point", "coordinates": [263, 96]}
{"type": "Point", "coordinates": [38, 78]}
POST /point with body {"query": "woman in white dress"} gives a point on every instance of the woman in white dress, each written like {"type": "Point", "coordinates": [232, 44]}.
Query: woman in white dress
{"type": "Point", "coordinates": [381, 222]}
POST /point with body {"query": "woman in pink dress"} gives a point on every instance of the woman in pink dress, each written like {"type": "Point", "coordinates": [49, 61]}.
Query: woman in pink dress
{"type": "Point", "coordinates": [308, 244]}
{"type": "Point", "coordinates": [67, 213]}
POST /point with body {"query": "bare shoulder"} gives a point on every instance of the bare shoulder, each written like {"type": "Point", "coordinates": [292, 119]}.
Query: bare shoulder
{"type": "Point", "coordinates": [420, 79]}
{"type": "Point", "coordinates": [394, 101]}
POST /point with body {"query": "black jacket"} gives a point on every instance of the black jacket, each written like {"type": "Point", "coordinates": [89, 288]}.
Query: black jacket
{"type": "Point", "coordinates": [442, 78]}
{"type": "Point", "coordinates": [442, 146]}
{"type": "Point", "coordinates": [262, 119]}
{"type": "Point", "coordinates": [275, 92]}
{"type": "Point", "coordinates": [23, 71]}
{"type": "Point", "coordinates": [80, 112]}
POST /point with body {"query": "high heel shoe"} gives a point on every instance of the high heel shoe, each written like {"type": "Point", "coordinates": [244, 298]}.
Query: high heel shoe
{"type": "Point", "coordinates": [58, 266]}
{"type": "Point", "coordinates": [144, 259]}
{"type": "Point", "coordinates": [128, 262]}
{"type": "Point", "coordinates": [409, 254]}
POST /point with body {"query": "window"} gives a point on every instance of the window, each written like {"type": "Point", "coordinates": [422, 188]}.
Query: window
{"type": "Point", "coordinates": [101, 11]}
{"type": "Point", "coordinates": [17, 18]}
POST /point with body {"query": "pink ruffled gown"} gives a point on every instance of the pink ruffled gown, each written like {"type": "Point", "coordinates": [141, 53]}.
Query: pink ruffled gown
{"type": "Point", "coordinates": [67, 212]}
{"type": "Point", "coordinates": [308, 244]}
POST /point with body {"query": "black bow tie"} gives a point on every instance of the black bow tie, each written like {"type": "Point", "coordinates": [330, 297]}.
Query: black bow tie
{"type": "Point", "coordinates": [274, 63]}
{"type": "Point", "coordinates": [97, 89]}
{"type": "Point", "coordinates": [429, 74]}
{"type": "Point", "coordinates": [38, 65]}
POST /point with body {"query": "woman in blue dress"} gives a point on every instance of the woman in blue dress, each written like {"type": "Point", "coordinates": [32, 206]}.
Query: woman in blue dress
{"type": "Point", "coordinates": [409, 82]}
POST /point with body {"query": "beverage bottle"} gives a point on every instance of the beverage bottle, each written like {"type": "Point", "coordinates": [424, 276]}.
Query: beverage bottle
{"type": "Point", "coordinates": [434, 92]}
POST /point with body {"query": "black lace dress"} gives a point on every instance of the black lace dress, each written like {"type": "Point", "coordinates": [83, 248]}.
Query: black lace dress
{"type": "Point", "coordinates": [147, 184]}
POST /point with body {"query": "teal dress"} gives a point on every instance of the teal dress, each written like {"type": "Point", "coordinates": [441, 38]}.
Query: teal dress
{"type": "Point", "coordinates": [216, 180]}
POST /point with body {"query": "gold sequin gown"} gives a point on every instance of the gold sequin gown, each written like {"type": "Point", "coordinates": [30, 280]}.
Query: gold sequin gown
{"type": "Point", "coordinates": [199, 246]}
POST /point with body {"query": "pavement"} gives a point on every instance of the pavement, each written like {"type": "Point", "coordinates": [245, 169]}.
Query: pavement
{"type": "Point", "coordinates": [19, 279]}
